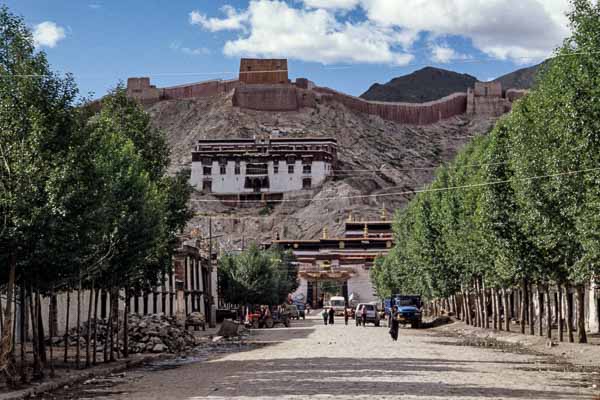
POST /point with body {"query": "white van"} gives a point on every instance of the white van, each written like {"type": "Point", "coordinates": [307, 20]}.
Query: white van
{"type": "Point", "coordinates": [338, 303]}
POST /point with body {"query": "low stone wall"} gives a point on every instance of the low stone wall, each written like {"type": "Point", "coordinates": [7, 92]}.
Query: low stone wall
{"type": "Point", "coordinates": [406, 113]}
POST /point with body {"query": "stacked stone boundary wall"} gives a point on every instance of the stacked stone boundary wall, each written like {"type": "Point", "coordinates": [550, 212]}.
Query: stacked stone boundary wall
{"type": "Point", "coordinates": [406, 113]}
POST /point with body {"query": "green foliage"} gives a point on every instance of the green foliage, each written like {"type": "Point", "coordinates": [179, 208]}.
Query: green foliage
{"type": "Point", "coordinates": [257, 276]}
{"type": "Point", "coordinates": [521, 203]}
{"type": "Point", "coordinates": [82, 197]}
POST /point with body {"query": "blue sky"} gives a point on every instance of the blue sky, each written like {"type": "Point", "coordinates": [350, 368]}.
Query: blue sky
{"type": "Point", "coordinates": [344, 44]}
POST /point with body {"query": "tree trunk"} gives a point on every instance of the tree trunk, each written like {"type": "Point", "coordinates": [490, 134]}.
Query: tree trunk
{"type": "Point", "coordinates": [478, 304]}
{"type": "Point", "coordinates": [454, 305]}
{"type": "Point", "coordinates": [41, 339]}
{"type": "Point", "coordinates": [126, 325]}
{"type": "Point", "coordinates": [107, 340]}
{"type": "Point", "coordinates": [97, 292]}
{"type": "Point", "coordinates": [24, 328]}
{"type": "Point", "coordinates": [581, 334]}
{"type": "Point", "coordinates": [468, 315]}
{"type": "Point", "coordinates": [115, 337]}
{"type": "Point", "coordinates": [66, 357]}
{"type": "Point", "coordinates": [524, 298]}
{"type": "Point", "coordinates": [486, 317]}
{"type": "Point", "coordinates": [499, 309]}
{"type": "Point", "coordinates": [37, 367]}
{"type": "Point", "coordinates": [548, 313]}
{"type": "Point", "coordinates": [51, 306]}
{"type": "Point", "coordinates": [531, 309]}
{"type": "Point", "coordinates": [111, 348]}
{"type": "Point", "coordinates": [494, 314]}
{"type": "Point", "coordinates": [570, 310]}
{"type": "Point", "coordinates": [7, 362]}
{"type": "Point", "coordinates": [561, 323]}
{"type": "Point", "coordinates": [506, 306]}
{"type": "Point", "coordinates": [540, 311]}
{"type": "Point", "coordinates": [88, 333]}
{"type": "Point", "coordinates": [78, 348]}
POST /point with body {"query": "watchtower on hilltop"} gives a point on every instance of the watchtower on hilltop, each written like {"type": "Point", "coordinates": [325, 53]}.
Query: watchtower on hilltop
{"type": "Point", "coordinates": [263, 71]}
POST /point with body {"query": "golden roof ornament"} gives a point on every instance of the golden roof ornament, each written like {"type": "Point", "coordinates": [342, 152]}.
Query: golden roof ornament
{"type": "Point", "coordinates": [366, 231]}
{"type": "Point", "coordinates": [350, 217]}
{"type": "Point", "coordinates": [325, 233]}
{"type": "Point", "coordinates": [383, 213]}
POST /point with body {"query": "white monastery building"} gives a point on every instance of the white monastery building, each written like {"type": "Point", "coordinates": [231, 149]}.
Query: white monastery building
{"type": "Point", "coordinates": [269, 167]}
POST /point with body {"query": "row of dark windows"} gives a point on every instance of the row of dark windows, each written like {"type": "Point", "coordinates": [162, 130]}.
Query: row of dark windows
{"type": "Point", "coordinates": [255, 183]}
{"type": "Point", "coordinates": [257, 169]}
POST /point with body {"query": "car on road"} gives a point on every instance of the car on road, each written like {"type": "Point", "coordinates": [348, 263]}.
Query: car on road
{"type": "Point", "coordinates": [338, 303]}
{"type": "Point", "coordinates": [293, 311]}
{"type": "Point", "coordinates": [372, 316]}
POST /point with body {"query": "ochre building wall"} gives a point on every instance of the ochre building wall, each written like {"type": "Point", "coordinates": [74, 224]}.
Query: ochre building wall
{"type": "Point", "coordinates": [263, 71]}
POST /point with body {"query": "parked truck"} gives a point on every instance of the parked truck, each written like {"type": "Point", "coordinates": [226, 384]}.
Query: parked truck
{"type": "Point", "coordinates": [409, 309]}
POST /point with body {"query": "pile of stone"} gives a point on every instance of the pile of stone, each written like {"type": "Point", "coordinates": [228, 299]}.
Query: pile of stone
{"type": "Point", "coordinates": [147, 334]}
{"type": "Point", "coordinates": [158, 334]}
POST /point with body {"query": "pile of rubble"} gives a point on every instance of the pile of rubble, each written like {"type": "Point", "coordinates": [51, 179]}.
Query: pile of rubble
{"type": "Point", "coordinates": [147, 334]}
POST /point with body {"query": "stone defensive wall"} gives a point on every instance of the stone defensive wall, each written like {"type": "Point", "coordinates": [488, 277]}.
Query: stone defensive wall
{"type": "Point", "coordinates": [273, 97]}
{"type": "Point", "coordinates": [141, 90]}
{"type": "Point", "coordinates": [405, 113]}
{"type": "Point", "coordinates": [201, 89]}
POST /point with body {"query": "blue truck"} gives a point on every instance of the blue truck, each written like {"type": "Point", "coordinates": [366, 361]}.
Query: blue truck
{"type": "Point", "coordinates": [409, 309]}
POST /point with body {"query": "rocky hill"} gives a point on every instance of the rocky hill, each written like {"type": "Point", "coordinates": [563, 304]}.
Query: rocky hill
{"type": "Point", "coordinates": [377, 157]}
{"type": "Point", "coordinates": [424, 85]}
{"type": "Point", "coordinates": [521, 79]}
{"type": "Point", "coordinates": [431, 83]}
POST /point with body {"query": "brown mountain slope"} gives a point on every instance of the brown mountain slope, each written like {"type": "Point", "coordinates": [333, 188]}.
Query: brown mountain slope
{"type": "Point", "coordinates": [521, 79]}
{"type": "Point", "coordinates": [380, 156]}
{"type": "Point", "coordinates": [424, 85]}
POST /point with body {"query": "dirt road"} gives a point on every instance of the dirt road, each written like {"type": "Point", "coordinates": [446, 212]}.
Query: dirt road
{"type": "Point", "coordinates": [310, 360]}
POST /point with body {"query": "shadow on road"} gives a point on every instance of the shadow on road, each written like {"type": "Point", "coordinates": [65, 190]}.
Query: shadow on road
{"type": "Point", "coordinates": [349, 377]}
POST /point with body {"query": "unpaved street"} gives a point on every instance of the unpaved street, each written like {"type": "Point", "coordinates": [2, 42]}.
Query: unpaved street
{"type": "Point", "coordinates": [310, 360]}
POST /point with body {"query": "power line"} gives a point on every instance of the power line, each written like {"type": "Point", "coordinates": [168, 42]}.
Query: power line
{"type": "Point", "coordinates": [415, 168]}
{"type": "Point", "coordinates": [405, 192]}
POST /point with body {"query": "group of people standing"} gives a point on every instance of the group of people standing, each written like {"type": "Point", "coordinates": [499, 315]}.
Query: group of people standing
{"type": "Point", "coordinates": [394, 325]}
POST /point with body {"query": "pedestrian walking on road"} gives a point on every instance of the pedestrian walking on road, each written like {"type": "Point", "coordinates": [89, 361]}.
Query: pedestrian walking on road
{"type": "Point", "coordinates": [324, 314]}
{"type": "Point", "coordinates": [394, 324]}
{"type": "Point", "coordinates": [346, 315]}
{"type": "Point", "coordinates": [364, 315]}
{"type": "Point", "coordinates": [331, 314]}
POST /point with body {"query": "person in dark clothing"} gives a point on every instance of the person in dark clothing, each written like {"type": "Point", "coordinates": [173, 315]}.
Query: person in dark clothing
{"type": "Point", "coordinates": [346, 315]}
{"type": "Point", "coordinates": [331, 314]}
{"type": "Point", "coordinates": [325, 314]}
{"type": "Point", "coordinates": [364, 315]}
{"type": "Point", "coordinates": [394, 324]}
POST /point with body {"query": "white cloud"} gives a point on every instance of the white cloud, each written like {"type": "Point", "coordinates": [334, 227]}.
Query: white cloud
{"type": "Point", "coordinates": [199, 51]}
{"type": "Point", "coordinates": [504, 29]}
{"type": "Point", "coordinates": [332, 4]}
{"type": "Point", "coordinates": [442, 53]}
{"type": "Point", "coordinates": [278, 30]}
{"type": "Point", "coordinates": [384, 31]}
{"type": "Point", "coordinates": [48, 34]}
{"type": "Point", "coordinates": [233, 20]}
